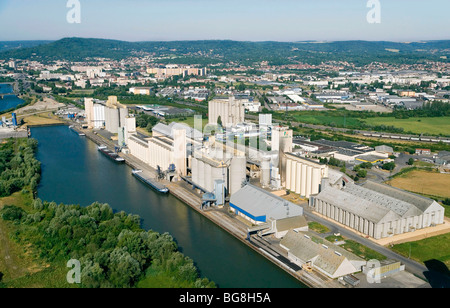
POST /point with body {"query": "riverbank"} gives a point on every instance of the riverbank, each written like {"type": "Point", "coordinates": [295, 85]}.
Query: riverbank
{"type": "Point", "coordinates": [222, 218]}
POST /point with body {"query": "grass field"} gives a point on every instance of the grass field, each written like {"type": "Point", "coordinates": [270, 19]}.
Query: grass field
{"type": "Point", "coordinates": [328, 120]}
{"type": "Point", "coordinates": [189, 121]}
{"type": "Point", "coordinates": [315, 226]}
{"type": "Point", "coordinates": [21, 268]}
{"type": "Point", "coordinates": [436, 247]}
{"type": "Point", "coordinates": [15, 261]}
{"type": "Point", "coordinates": [84, 92]}
{"type": "Point", "coordinates": [427, 126]}
{"type": "Point", "coordinates": [356, 248]}
{"type": "Point", "coordinates": [424, 182]}
{"type": "Point", "coordinates": [362, 251]}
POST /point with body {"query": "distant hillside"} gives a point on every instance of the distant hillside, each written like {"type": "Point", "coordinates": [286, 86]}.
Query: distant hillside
{"type": "Point", "coordinates": [214, 51]}
{"type": "Point", "coordinates": [20, 44]}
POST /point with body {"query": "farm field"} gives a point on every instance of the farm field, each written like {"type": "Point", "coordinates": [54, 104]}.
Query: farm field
{"type": "Point", "coordinates": [327, 120]}
{"type": "Point", "coordinates": [427, 126]}
{"type": "Point", "coordinates": [436, 184]}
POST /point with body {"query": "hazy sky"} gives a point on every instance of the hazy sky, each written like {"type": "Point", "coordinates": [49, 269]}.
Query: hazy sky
{"type": "Point", "coordinates": [250, 20]}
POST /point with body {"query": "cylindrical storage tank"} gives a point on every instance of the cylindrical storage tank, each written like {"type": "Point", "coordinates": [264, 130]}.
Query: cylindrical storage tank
{"type": "Point", "coordinates": [194, 169]}
{"type": "Point", "coordinates": [201, 173]}
{"type": "Point", "coordinates": [152, 154]}
{"type": "Point", "coordinates": [315, 181]}
{"type": "Point", "coordinates": [208, 185]}
{"type": "Point", "coordinates": [160, 157]}
{"type": "Point", "coordinates": [308, 181]}
{"type": "Point", "coordinates": [288, 173]}
{"type": "Point", "coordinates": [155, 155]}
{"type": "Point", "coordinates": [123, 113]}
{"type": "Point", "coordinates": [237, 173]}
{"type": "Point", "coordinates": [265, 172]}
{"type": "Point", "coordinates": [325, 172]}
{"type": "Point", "coordinates": [293, 175]}
{"type": "Point", "coordinates": [298, 172]}
{"type": "Point", "coordinates": [303, 181]}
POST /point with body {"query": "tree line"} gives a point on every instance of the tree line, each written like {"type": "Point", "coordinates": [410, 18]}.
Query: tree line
{"type": "Point", "coordinates": [18, 166]}
{"type": "Point", "coordinates": [113, 250]}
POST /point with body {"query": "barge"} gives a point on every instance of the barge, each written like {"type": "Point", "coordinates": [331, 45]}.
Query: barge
{"type": "Point", "coordinates": [150, 182]}
{"type": "Point", "coordinates": [112, 155]}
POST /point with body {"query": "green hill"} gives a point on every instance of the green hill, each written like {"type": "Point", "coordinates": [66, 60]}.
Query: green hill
{"type": "Point", "coordinates": [244, 52]}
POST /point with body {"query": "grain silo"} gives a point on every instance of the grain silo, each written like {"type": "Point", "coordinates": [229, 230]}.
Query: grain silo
{"type": "Point", "coordinates": [303, 176]}
{"type": "Point", "coordinates": [265, 172]}
{"type": "Point", "coordinates": [237, 173]}
{"type": "Point", "coordinates": [194, 168]}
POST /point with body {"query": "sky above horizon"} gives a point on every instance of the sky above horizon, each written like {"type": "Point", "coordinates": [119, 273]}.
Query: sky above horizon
{"type": "Point", "coordinates": [244, 20]}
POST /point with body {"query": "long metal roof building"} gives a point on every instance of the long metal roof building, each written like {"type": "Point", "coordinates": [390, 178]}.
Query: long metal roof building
{"type": "Point", "coordinates": [377, 210]}
{"type": "Point", "coordinates": [258, 205]}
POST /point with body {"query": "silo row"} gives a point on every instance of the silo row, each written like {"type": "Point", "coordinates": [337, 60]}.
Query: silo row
{"type": "Point", "coordinates": [205, 174]}
{"type": "Point", "coordinates": [302, 178]}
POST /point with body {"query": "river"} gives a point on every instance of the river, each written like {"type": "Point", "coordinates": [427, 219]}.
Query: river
{"type": "Point", "coordinates": [74, 172]}
{"type": "Point", "coordinates": [8, 101]}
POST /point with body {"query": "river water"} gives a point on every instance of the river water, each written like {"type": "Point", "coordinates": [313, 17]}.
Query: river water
{"type": "Point", "coordinates": [75, 172]}
{"type": "Point", "coordinates": [8, 101]}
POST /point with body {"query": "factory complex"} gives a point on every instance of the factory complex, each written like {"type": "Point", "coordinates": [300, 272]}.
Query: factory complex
{"type": "Point", "coordinates": [244, 166]}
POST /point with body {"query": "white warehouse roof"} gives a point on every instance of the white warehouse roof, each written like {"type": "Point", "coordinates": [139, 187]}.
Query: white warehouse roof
{"type": "Point", "coordinates": [261, 205]}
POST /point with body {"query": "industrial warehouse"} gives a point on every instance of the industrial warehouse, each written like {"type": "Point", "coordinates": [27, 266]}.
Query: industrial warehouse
{"type": "Point", "coordinates": [374, 209]}
{"type": "Point", "coordinates": [327, 258]}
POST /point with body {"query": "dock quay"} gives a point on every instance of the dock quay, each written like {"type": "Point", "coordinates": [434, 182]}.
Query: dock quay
{"type": "Point", "coordinates": [222, 218]}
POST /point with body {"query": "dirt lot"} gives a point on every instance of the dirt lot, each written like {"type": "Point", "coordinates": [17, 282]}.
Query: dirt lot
{"type": "Point", "coordinates": [41, 119]}
{"type": "Point", "coordinates": [46, 104]}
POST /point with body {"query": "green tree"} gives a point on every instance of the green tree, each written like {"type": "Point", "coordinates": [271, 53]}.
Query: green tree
{"type": "Point", "coordinates": [362, 173]}
{"type": "Point", "coordinates": [388, 166]}
{"type": "Point", "coordinates": [124, 269]}
{"type": "Point", "coordinates": [219, 121]}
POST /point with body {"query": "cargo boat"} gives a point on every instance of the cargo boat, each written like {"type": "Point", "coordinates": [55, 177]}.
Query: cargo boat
{"type": "Point", "coordinates": [110, 154]}
{"type": "Point", "coordinates": [71, 127]}
{"type": "Point", "coordinates": [150, 182]}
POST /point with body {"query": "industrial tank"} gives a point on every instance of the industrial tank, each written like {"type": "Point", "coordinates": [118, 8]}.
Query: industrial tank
{"type": "Point", "coordinates": [298, 172]}
{"type": "Point", "coordinates": [308, 181]}
{"type": "Point", "coordinates": [208, 184]}
{"type": "Point", "coordinates": [194, 170]}
{"type": "Point", "coordinates": [288, 174]}
{"type": "Point", "coordinates": [303, 181]}
{"type": "Point", "coordinates": [315, 181]}
{"type": "Point", "coordinates": [201, 173]}
{"type": "Point", "coordinates": [237, 173]}
{"type": "Point", "coordinates": [265, 172]}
